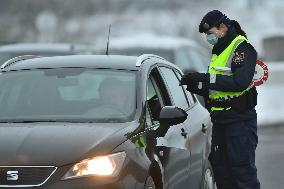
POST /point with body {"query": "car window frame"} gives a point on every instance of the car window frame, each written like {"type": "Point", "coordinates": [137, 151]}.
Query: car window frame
{"type": "Point", "coordinates": [188, 92]}
{"type": "Point", "coordinates": [166, 99]}
{"type": "Point", "coordinates": [184, 93]}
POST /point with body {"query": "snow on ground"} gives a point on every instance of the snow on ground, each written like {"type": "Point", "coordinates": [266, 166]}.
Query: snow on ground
{"type": "Point", "coordinates": [270, 106]}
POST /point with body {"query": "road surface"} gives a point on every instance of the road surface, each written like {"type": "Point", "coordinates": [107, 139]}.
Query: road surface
{"type": "Point", "coordinates": [270, 157]}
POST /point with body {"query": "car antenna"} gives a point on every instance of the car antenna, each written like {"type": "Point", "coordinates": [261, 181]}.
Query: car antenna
{"type": "Point", "coordinates": [107, 50]}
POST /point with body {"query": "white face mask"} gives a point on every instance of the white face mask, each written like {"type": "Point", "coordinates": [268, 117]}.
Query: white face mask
{"type": "Point", "coordinates": [212, 39]}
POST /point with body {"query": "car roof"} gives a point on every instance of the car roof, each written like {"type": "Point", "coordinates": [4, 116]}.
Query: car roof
{"type": "Point", "coordinates": [118, 62]}
{"type": "Point", "coordinates": [38, 47]}
{"type": "Point", "coordinates": [86, 61]}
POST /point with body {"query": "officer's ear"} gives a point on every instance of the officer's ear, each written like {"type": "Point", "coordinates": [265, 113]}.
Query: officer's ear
{"type": "Point", "coordinates": [222, 29]}
{"type": "Point", "coordinates": [221, 26]}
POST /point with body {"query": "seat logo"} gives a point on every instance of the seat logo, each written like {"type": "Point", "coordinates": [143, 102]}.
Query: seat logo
{"type": "Point", "coordinates": [12, 175]}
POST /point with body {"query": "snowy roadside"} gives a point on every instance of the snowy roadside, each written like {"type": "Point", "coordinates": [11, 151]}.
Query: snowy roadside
{"type": "Point", "coordinates": [270, 106]}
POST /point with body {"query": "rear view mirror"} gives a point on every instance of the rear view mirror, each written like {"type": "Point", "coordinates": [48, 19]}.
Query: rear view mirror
{"type": "Point", "coordinates": [171, 115]}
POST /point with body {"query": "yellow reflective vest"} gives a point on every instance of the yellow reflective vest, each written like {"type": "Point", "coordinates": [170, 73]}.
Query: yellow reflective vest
{"type": "Point", "coordinates": [221, 65]}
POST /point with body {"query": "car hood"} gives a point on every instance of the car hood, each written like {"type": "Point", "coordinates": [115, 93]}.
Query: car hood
{"type": "Point", "coordinates": [53, 143]}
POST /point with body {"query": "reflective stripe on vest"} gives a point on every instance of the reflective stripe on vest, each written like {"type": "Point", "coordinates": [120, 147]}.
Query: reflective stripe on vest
{"type": "Point", "coordinates": [224, 60]}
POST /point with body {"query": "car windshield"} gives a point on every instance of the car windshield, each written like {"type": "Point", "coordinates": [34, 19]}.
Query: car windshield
{"type": "Point", "coordinates": [167, 54]}
{"type": "Point", "coordinates": [68, 94]}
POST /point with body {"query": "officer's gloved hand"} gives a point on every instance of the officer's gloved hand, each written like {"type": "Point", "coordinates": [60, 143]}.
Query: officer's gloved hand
{"type": "Point", "coordinates": [184, 80]}
{"type": "Point", "coordinates": [197, 77]}
{"type": "Point", "coordinates": [202, 92]}
{"type": "Point", "coordinates": [197, 83]}
{"type": "Point", "coordinates": [200, 88]}
{"type": "Point", "coordinates": [193, 78]}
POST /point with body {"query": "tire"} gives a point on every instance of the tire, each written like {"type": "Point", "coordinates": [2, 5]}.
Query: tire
{"type": "Point", "coordinates": [149, 183]}
{"type": "Point", "coordinates": [208, 177]}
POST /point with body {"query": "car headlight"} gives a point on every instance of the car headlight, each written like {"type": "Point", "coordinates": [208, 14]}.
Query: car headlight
{"type": "Point", "coordinates": [109, 165]}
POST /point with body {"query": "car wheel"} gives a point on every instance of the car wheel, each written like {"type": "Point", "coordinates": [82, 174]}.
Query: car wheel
{"type": "Point", "coordinates": [149, 184]}
{"type": "Point", "coordinates": [208, 177]}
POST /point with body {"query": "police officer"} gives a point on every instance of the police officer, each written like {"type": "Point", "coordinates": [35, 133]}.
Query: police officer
{"type": "Point", "coordinates": [231, 101]}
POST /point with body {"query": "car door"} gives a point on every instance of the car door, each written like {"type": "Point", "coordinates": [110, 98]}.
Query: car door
{"type": "Point", "coordinates": [180, 100]}
{"type": "Point", "coordinates": [197, 123]}
{"type": "Point", "coordinates": [173, 148]}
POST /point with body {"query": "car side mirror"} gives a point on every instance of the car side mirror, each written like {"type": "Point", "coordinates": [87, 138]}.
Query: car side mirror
{"type": "Point", "coordinates": [172, 115]}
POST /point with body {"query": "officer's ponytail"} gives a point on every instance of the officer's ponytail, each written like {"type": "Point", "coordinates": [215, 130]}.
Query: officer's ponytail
{"type": "Point", "coordinates": [238, 28]}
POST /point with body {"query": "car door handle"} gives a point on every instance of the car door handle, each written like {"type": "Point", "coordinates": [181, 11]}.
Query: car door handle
{"type": "Point", "coordinates": [183, 133]}
{"type": "Point", "coordinates": [204, 128]}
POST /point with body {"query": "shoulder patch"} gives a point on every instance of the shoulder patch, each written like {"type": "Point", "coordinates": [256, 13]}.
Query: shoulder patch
{"type": "Point", "coordinates": [238, 57]}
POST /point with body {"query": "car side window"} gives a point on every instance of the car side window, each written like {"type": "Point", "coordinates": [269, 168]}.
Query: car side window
{"type": "Point", "coordinates": [156, 95]}
{"type": "Point", "coordinates": [176, 91]}
{"type": "Point", "coordinates": [191, 98]}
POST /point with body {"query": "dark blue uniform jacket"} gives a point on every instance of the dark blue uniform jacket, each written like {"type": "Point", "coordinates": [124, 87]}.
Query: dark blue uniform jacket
{"type": "Point", "coordinates": [243, 67]}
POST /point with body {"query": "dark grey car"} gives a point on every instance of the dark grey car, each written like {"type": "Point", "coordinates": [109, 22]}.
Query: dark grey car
{"type": "Point", "coordinates": [87, 121]}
